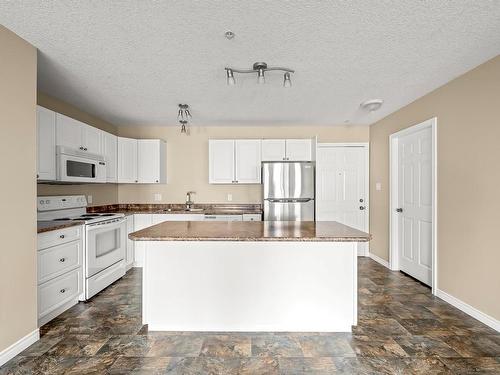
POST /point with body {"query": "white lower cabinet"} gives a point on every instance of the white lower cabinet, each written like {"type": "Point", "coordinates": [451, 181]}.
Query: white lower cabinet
{"type": "Point", "coordinates": [141, 221]}
{"type": "Point", "coordinates": [160, 218]}
{"type": "Point", "coordinates": [60, 271]}
{"type": "Point", "coordinates": [129, 260]}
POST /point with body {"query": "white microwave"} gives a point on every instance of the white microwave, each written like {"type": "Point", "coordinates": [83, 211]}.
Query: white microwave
{"type": "Point", "coordinates": [78, 166]}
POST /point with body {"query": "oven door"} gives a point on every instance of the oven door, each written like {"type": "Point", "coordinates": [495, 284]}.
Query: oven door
{"type": "Point", "coordinates": [72, 168]}
{"type": "Point", "coordinates": [105, 245]}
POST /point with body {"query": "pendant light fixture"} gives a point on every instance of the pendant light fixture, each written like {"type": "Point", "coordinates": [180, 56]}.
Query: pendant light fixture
{"type": "Point", "coordinates": [183, 114]}
{"type": "Point", "coordinates": [259, 68]}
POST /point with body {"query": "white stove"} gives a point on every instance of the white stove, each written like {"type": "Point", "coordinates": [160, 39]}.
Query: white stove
{"type": "Point", "coordinates": [104, 240]}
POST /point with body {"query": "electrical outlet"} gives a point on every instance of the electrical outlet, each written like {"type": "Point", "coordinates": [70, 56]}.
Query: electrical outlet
{"type": "Point", "coordinates": [229, 197]}
{"type": "Point", "coordinates": [378, 186]}
{"type": "Point", "coordinates": [157, 197]}
{"type": "Point", "coordinates": [89, 199]}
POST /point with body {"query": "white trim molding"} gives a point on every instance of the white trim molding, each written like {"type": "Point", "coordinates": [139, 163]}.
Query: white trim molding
{"type": "Point", "coordinates": [468, 309]}
{"type": "Point", "coordinates": [393, 197]}
{"type": "Point", "coordinates": [379, 260]}
{"type": "Point", "coordinates": [7, 354]}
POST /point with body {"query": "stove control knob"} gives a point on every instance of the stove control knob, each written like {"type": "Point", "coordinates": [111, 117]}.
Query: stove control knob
{"type": "Point", "coordinates": [41, 201]}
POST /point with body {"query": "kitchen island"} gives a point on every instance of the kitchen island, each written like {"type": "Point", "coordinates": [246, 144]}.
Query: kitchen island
{"type": "Point", "coordinates": [250, 276]}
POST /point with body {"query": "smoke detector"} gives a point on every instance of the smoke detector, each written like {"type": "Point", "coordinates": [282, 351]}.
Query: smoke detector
{"type": "Point", "coordinates": [372, 104]}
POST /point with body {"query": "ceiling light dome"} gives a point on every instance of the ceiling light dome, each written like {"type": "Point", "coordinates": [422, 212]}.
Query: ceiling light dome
{"type": "Point", "coordinates": [372, 105]}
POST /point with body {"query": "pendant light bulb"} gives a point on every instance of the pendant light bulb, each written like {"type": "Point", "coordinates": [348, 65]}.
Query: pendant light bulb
{"type": "Point", "coordinates": [260, 77]}
{"type": "Point", "coordinates": [230, 77]}
{"type": "Point", "coordinates": [287, 82]}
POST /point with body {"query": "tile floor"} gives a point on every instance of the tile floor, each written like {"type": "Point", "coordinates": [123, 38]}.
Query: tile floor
{"type": "Point", "coordinates": [402, 329]}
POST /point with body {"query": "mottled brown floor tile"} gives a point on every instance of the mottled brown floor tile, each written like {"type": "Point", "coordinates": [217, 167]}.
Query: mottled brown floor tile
{"type": "Point", "coordinates": [143, 365]}
{"type": "Point", "coordinates": [45, 364]}
{"type": "Point", "coordinates": [78, 346]}
{"type": "Point", "coordinates": [401, 311]}
{"type": "Point", "coordinates": [422, 346]}
{"type": "Point", "coordinates": [258, 365]}
{"type": "Point", "coordinates": [175, 346]}
{"type": "Point", "coordinates": [366, 346]}
{"type": "Point", "coordinates": [276, 346]}
{"type": "Point", "coordinates": [380, 327]}
{"type": "Point", "coordinates": [429, 327]}
{"type": "Point", "coordinates": [41, 346]}
{"type": "Point", "coordinates": [346, 365]}
{"type": "Point", "coordinates": [205, 365]}
{"type": "Point", "coordinates": [473, 346]}
{"type": "Point", "coordinates": [226, 346]}
{"type": "Point", "coordinates": [325, 346]}
{"type": "Point", "coordinates": [483, 365]}
{"type": "Point", "coordinates": [127, 346]}
{"type": "Point", "coordinates": [298, 366]}
{"type": "Point", "coordinates": [91, 365]}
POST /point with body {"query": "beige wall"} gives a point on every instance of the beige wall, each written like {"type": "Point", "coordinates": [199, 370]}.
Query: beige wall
{"type": "Point", "coordinates": [187, 160]}
{"type": "Point", "coordinates": [18, 303]}
{"type": "Point", "coordinates": [101, 194]}
{"type": "Point", "coordinates": [467, 111]}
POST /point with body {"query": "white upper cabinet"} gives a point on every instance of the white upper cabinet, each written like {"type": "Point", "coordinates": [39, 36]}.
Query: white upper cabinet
{"type": "Point", "coordinates": [46, 144]}
{"type": "Point", "coordinates": [77, 135]}
{"type": "Point", "coordinates": [287, 149]}
{"type": "Point", "coordinates": [110, 151]}
{"type": "Point", "coordinates": [273, 149]}
{"type": "Point", "coordinates": [247, 161]}
{"type": "Point", "coordinates": [127, 160]}
{"type": "Point", "coordinates": [299, 149]}
{"type": "Point", "coordinates": [151, 161]}
{"type": "Point", "coordinates": [221, 161]}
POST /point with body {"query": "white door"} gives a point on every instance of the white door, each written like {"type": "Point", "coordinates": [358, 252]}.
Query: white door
{"type": "Point", "coordinates": [415, 204]}
{"type": "Point", "coordinates": [298, 149]}
{"type": "Point", "coordinates": [148, 161]}
{"type": "Point", "coordinates": [127, 160]}
{"type": "Point", "coordinates": [273, 149]}
{"type": "Point", "coordinates": [46, 141]}
{"type": "Point", "coordinates": [248, 165]}
{"type": "Point", "coordinates": [221, 161]}
{"type": "Point", "coordinates": [341, 177]}
{"type": "Point", "coordinates": [110, 151]}
{"type": "Point", "coordinates": [92, 139]}
{"type": "Point", "coordinates": [68, 132]}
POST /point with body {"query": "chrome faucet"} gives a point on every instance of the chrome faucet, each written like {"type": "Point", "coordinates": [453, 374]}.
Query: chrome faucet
{"type": "Point", "coordinates": [189, 200]}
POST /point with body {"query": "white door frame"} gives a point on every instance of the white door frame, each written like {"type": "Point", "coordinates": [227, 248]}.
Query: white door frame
{"type": "Point", "coordinates": [393, 195]}
{"type": "Point", "coordinates": [366, 147]}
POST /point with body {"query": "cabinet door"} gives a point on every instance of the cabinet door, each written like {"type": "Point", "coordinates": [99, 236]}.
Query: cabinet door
{"type": "Point", "coordinates": [68, 132]}
{"type": "Point", "coordinates": [130, 244]}
{"type": "Point", "coordinates": [141, 221]}
{"type": "Point", "coordinates": [221, 161]}
{"type": "Point", "coordinates": [151, 161]}
{"type": "Point", "coordinates": [46, 141]}
{"type": "Point", "coordinates": [127, 160]}
{"type": "Point", "coordinates": [92, 139]}
{"type": "Point", "coordinates": [298, 150]}
{"type": "Point", "coordinates": [273, 149]}
{"type": "Point", "coordinates": [247, 159]}
{"type": "Point", "coordinates": [110, 151]}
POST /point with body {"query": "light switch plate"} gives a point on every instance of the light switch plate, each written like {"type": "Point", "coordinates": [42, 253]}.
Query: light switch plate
{"type": "Point", "coordinates": [229, 197]}
{"type": "Point", "coordinates": [157, 197]}
{"type": "Point", "coordinates": [378, 186]}
{"type": "Point", "coordinates": [89, 199]}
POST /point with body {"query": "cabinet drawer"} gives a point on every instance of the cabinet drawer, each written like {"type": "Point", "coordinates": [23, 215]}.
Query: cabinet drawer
{"type": "Point", "coordinates": [58, 291]}
{"type": "Point", "coordinates": [59, 259]}
{"type": "Point", "coordinates": [57, 237]}
{"type": "Point", "coordinates": [252, 217]}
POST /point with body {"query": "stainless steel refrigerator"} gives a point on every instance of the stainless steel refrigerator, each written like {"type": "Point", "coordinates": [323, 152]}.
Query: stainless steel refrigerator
{"type": "Point", "coordinates": [288, 191]}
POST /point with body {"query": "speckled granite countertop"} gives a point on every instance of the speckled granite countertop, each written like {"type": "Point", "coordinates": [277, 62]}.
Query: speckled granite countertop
{"type": "Point", "coordinates": [328, 231]}
{"type": "Point", "coordinates": [175, 208]}
{"type": "Point", "coordinates": [47, 226]}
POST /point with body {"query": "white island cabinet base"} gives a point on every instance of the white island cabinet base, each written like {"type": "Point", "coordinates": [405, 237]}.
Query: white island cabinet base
{"type": "Point", "coordinates": [251, 286]}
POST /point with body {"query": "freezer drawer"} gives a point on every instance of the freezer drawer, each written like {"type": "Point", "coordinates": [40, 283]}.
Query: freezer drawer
{"type": "Point", "coordinates": [283, 180]}
{"type": "Point", "coordinates": [288, 211]}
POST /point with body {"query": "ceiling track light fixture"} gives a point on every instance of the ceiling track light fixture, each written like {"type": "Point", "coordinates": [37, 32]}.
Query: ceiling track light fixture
{"type": "Point", "coordinates": [183, 114]}
{"type": "Point", "coordinates": [259, 68]}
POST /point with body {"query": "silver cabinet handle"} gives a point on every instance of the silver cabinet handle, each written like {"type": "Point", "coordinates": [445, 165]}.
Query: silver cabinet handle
{"type": "Point", "coordinates": [399, 210]}
{"type": "Point", "coordinates": [156, 180]}
{"type": "Point", "coordinates": [362, 208]}
{"type": "Point", "coordinates": [81, 148]}
{"type": "Point", "coordinates": [85, 149]}
{"type": "Point", "coordinates": [62, 290]}
{"type": "Point", "coordinates": [62, 236]}
{"type": "Point", "coordinates": [62, 260]}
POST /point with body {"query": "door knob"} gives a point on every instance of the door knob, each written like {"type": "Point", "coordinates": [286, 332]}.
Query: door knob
{"type": "Point", "coordinates": [399, 210]}
{"type": "Point", "coordinates": [362, 208]}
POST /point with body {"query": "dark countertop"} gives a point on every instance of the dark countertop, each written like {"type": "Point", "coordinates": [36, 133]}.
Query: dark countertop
{"type": "Point", "coordinates": [174, 208]}
{"type": "Point", "coordinates": [327, 231]}
{"type": "Point", "coordinates": [47, 226]}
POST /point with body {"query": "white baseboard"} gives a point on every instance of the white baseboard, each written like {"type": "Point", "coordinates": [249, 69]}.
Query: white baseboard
{"type": "Point", "coordinates": [468, 309]}
{"type": "Point", "coordinates": [16, 348]}
{"type": "Point", "coordinates": [379, 260]}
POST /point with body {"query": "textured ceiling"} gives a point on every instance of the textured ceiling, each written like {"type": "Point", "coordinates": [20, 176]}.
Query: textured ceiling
{"type": "Point", "coordinates": [132, 62]}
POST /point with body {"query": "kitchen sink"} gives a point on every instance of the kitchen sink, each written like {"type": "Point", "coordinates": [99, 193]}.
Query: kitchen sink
{"type": "Point", "coordinates": [184, 210]}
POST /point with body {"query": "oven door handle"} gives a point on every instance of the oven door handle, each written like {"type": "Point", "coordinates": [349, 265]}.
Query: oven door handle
{"type": "Point", "coordinates": [106, 224]}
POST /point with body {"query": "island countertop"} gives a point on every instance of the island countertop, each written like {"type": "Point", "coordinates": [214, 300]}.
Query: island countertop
{"type": "Point", "coordinates": [321, 231]}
